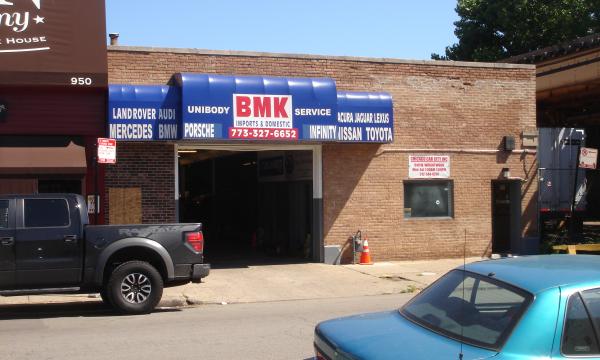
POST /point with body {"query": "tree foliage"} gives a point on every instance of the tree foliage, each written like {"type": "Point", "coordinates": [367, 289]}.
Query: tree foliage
{"type": "Point", "coordinates": [490, 30]}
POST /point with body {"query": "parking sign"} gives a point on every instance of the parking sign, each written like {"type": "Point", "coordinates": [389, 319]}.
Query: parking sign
{"type": "Point", "coordinates": [107, 151]}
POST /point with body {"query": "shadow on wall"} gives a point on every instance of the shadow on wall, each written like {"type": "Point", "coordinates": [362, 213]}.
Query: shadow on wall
{"type": "Point", "coordinates": [529, 225]}
{"type": "Point", "coordinates": [344, 165]}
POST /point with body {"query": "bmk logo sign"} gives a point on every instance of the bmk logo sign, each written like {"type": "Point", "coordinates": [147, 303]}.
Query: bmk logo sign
{"type": "Point", "coordinates": [19, 22]}
{"type": "Point", "coordinates": [262, 111]}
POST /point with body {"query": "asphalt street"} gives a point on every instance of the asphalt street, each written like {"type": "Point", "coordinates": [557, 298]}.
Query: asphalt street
{"type": "Point", "coordinates": [266, 330]}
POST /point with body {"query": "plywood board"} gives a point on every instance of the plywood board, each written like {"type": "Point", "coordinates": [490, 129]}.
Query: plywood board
{"type": "Point", "coordinates": [125, 205]}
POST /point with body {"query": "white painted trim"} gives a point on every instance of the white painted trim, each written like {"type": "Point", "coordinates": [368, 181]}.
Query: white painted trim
{"type": "Point", "coordinates": [176, 187]}
{"type": "Point", "coordinates": [176, 170]}
{"type": "Point", "coordinates": [317, 172]}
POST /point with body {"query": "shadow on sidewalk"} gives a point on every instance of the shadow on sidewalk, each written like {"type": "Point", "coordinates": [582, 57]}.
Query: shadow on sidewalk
{"type": "Point", "coordinates": [58, 310]}
{"type": "Point", "coordinates": [245, 261]}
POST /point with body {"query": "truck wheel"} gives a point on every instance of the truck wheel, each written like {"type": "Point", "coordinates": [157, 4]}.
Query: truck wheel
{"type": "Point", "coordinates": [135, 287]}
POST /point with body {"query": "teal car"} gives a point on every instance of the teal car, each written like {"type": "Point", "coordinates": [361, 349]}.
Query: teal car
{"type": "Point", "coordinates": [533, 307]}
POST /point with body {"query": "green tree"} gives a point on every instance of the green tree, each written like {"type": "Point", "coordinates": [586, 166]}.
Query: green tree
{"type": "Point", "coordinates": [490, 30]}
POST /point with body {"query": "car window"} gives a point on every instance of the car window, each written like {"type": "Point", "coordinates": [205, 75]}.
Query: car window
{"type": "Point", "coordinates": [483, 317]}
{"type": "Point", "coordinates": [46, 213]}
{"type": "Point", "coordinates": [3, 214]}
{"type": "Point", "coordinates": [579, 337]}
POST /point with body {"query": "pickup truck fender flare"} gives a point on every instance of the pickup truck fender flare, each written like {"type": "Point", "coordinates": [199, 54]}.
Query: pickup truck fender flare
{"type": "Point", "coordinates": [133, 242]}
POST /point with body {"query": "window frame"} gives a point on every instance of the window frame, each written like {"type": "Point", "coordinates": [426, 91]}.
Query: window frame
{"type": "Point", "coordinates": [594, 327]}
{"type": "Point", "coordinates": [46, 227]}
{"type": "Point", "coordinates": [450, 182]}
{"type": "Point", "coordinates": [528, 300]}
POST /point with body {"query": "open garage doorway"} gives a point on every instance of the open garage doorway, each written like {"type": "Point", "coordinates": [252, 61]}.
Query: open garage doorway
{"type": "Point", "coordinates": [257, 205]}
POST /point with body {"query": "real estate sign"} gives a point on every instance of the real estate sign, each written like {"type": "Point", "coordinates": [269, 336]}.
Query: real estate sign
{"type": "Point", "coordinates": [428, 166]}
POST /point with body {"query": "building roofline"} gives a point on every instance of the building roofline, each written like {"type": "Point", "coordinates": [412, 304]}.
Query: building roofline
{"type": "Point", "coordinates": [558, 50]}
{"type": "Point", "coordinates": [318, 57]}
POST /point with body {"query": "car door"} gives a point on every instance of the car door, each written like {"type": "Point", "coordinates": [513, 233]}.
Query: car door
{"type": "Point", "coordinates": [48, 245]}
{"type": "Point", "coordinates": [7, 244]}
{"type": "Point", "coordinates": [578, 337]}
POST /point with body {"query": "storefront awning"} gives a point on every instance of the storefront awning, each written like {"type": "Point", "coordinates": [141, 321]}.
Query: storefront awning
{"type": "Point", "coordinates": [365, 115]}
{"type": "Point", "coordinates": [254, 107]}
{"type": "Point", "coordinates": [207, 107]}
{"type": "Point", "coordinates": [144, 112]}
{"type": "Point", "coordinates": [43, 160]}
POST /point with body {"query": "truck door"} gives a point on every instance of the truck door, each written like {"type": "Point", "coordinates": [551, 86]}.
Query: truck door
{"type": "Point", "coordinates": [7, 244]}
{"type": "Point", "coordinates": [48, 244]}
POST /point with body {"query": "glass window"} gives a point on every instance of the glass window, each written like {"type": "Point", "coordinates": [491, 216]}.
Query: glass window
{"type": "Point", "coordinates": [428, 199]}
{"type": "Point", "coordinates": [3, 214]}
{"type": "Point", "coordinates": [484, 316]}
{"type": "Point", "coordinates": [46, 213]}
{"type": "Point", "coordinates": [579, 337]}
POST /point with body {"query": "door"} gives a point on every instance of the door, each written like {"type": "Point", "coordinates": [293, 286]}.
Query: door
{"type": "Point", "coordinates": [49, 249]}
{"type": "Point", "coordinates": [7, 244]}
{"type": "Point", "coordinates": [506, 216]}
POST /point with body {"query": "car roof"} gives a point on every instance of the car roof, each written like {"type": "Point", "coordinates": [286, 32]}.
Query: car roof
{"type": "Point", "coordinates": [540, 272]}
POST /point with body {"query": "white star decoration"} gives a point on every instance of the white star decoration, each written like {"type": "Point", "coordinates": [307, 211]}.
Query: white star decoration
{"type": "Point", "coordinates": [38, 19]}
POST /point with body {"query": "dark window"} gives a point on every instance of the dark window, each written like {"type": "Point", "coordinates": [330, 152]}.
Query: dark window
{"type": "Point", "coordinates": [46, 213]}
{"type": "Point", "coordinates": [3, 214]}
{"type": "Point", "coordinates": [579, 337]}
{"type": "Point", "coordinates": [469, 307]}
{"type": "Point", "coordinates": [428, 199]}
{"type": "Point", "coordinates": [59, 186]}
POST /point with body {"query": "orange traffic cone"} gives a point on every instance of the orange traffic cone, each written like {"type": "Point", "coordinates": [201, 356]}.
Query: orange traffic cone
{"type": "Point", "coordinates": [365, 255]}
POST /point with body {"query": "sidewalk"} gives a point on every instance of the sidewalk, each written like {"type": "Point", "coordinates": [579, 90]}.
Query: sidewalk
{"type": "Point", "coordinates": [265, 283]}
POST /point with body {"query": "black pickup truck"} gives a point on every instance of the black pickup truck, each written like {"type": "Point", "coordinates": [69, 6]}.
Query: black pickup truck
{"type": "Point", "coordinates": [48, 247]}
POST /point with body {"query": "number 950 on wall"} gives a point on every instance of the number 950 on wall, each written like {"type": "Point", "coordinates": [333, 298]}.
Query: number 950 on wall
{"type": "Point", "coordinates": [81, 81]}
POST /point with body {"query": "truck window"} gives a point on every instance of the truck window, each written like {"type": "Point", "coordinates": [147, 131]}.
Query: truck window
{"type": "Point", "coordinates": [3, 214]}
{"type": "Point", "coordinates": [46, 213]}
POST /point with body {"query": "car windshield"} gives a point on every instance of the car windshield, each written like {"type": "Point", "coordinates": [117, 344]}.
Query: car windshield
{"type": "Point", "coordinates": [478, 310]}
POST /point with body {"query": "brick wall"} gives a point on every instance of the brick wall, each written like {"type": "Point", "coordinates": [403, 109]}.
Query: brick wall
{"type": "Point", "coordinates": [149, 166]}
{"type": "Point", "coordinates": [459, 109]}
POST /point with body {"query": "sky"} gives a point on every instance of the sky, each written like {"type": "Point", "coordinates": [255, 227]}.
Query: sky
{"type": "Point", "coordinates": [404, 29]}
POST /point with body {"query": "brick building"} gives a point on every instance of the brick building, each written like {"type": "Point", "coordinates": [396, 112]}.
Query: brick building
{"type": "Point", "coordinates": [462, 117]}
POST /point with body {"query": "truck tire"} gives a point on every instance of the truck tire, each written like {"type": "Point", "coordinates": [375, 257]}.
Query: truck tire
{"type": "Point", "coordinates": [134, 287]}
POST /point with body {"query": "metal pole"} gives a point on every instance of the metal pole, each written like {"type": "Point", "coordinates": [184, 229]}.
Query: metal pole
{"type": "Point", "coordinates": [96, 190]}
{"type": "Point", "coordinates": [572, 221]}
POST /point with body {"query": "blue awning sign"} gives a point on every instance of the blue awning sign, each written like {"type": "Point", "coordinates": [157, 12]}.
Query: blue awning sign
{"type": "Point", "coordinates": [218, 107]}
{"type": "Point", "coordinates": [254, 107]}
{"type": "Point", "coordinates": [143, 112]}
{"type": "Point", "coordinates": [365, 117]}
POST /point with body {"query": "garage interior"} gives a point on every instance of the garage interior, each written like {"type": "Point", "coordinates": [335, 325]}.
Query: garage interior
{"type": "Point", "coordinates": [254, 205]}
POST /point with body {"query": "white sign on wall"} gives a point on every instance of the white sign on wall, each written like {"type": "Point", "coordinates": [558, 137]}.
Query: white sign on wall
{"type": "Point", "coordinates": [107, 151]}
{"type": "Point", "coordinates": [428, 166]}
{"type": "Point", "coordinates": [588, 158]}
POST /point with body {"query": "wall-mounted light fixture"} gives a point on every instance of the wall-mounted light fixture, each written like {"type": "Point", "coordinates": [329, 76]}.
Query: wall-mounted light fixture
{"type": "Point", "coordinates": [505, 173]}
{"type": "Point", "coordinates": [509, 143]}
